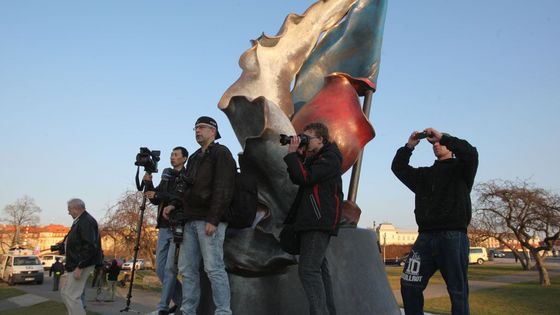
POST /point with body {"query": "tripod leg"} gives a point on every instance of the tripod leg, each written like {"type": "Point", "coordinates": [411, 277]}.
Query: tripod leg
{"type": "Point", "coordinates": [136, 248]}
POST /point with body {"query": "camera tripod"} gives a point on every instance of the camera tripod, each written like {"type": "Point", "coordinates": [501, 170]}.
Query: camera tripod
{"type": "Point", "coordinates": [136, 248]}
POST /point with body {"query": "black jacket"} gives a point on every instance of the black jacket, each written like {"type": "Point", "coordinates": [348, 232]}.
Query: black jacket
{"type": "Point", "coordinates": [83, 244]}
{"type": "Point", "coordinates": [57, 266]}
{"type": "Point", "coordinates": [442, 191]}
{"type": "Point", "coordinates": [165, 191]}
{"type": "Point", "coordinates": [113, 272]}
{"type": "Point", "coordinates": [318, 202]}
{"type": "Point", "coordinates": [212, 174]}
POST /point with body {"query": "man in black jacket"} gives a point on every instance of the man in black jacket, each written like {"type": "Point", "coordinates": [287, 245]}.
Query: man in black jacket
{"type": "Point", "coordinates": [57, 269]}
{"type": "Point", "coordinates": [83, 253]}
{"type": "Point", "coordinates": [162, 196]}
{"type": "Point", "coordinates": [443, 212]}
{"type": "Point", "coordinates": [315, 213]}
{"type": "Point", "coordinates": [211, 169]}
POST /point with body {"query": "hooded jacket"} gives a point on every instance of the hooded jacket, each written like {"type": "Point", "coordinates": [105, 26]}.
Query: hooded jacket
{"type": "Point", "coordinates": [442, 191]}
{"type": "Point", "coordinates": [318, 203]}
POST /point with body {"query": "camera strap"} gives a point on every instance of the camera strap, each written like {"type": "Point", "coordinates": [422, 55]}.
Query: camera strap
{"type": "Point", "coordinates": [139, 186]}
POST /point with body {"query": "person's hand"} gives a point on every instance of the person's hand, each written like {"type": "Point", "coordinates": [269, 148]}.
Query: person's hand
{"type": "Point", "coordinates": [150, 194]}
{"type": "Point", "coordinates": [167, 210]}
{"type": "Point", "coordinates": [294, 144]}
{"type": "Point", "coordinates": [412, 140]}
{"type": "Point", "coordinates": [77, 273]}
{"type": "Point", "coordinates": [147, 177]}
{"type": "Point", "coordinates": [210, 229]}
{"type": "Point", "coordinates": [433, 135]}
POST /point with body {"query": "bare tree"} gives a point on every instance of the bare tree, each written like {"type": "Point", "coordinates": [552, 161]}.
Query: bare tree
{"type": "Point", "coordinates": [121, 224]}
{"type": "Point", "coordinates": [476, 237]}
{"type": "Point", "coordinates": [509, 210]}
{"type": "Point", "coordinates": [20, 213]}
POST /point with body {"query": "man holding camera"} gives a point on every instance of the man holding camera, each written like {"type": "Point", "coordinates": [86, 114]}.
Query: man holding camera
{"type": "Point", "coordinates": [83, 252]}
{"type": "Point", "coordinates": [316, 167]}
{"type": "Point", "coordinates": [165, 250]}
{"type": "Point", "coordinates": [211, 174]}
{"type": "Point", "coordinates": [443, 212]}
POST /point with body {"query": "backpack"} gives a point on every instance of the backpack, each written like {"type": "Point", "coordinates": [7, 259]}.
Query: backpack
{"type": "Point", "coordinates": [243, 208]}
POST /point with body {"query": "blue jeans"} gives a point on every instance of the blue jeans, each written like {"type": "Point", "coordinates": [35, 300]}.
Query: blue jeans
{"type": "Point", "coordinates": [197, 245]}
{"type": "Point", "coordinates": [447, 251]}
{"type": "Point", "coordinates": [314, 272]}
{"type": "Point", "coordinates": [166, 271]}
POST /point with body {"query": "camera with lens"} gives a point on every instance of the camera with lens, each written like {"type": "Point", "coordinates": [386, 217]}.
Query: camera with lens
{"type": "Point", "coordinates": [177, 218]}
{"type": "Point", "coordinates": [184, 183]}
{"type": "Point", "coordinates": [59, 247]}
{"type": "Point", "coordinates": [285, 139]}
{"type": "Point", "coordinates": [148, 159]}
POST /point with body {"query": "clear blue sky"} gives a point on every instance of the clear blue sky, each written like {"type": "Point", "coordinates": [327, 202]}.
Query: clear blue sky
{"type": "Point", "coordinates": [84, 84]}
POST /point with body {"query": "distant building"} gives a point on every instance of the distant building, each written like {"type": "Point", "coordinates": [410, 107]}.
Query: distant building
{"type": "Point", "coordinates": [33, 237]}
{"type": "Point", "coordinates": [388, 234]}
{"type": "Point", "coordinates": [40, 238]}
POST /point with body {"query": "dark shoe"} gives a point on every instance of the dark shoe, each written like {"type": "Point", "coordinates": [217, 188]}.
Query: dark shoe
{"type": "Point", "coordinates": [173, 309]}
{"type": "Point", "coordinates": [162, 312]}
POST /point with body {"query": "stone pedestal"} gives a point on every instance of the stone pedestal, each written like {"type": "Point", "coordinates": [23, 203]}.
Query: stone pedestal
{"type": "Point", "coordinates": [359, 282]}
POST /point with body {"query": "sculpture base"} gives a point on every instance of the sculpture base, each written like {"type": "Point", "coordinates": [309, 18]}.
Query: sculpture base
{"type": "Point", "coordinates": [360, 283]}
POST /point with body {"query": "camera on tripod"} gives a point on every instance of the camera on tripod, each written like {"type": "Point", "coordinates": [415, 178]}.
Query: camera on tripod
{"type": "Point", "coordinates": [148, 159]}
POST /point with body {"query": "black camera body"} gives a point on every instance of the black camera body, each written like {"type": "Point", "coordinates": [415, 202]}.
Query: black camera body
{"type": "Point", "coordinates": [184, 183]}
{"type": "Point", "coordinates": [59, 247]}
{"type": "Point", "coordinates": [148, 159]}
{"type": "Point", "coordinates": [285, 139]}
{"type": "Point", "coordinates": [421, 135]}
{"type": "Point", "coordinates": [182, 187]}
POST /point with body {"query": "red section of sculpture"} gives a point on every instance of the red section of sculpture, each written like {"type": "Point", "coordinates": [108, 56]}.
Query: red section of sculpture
{"type": "Point", "coordinates": [337, 106]}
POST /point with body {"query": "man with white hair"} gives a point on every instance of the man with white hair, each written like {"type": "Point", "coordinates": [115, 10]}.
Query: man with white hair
{"type": "Point", "coordinates": [83, 251]}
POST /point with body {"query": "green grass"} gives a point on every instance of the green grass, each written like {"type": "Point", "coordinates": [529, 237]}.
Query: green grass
{"type": "Point", "coordinates": [139, 276]}
{"type": "Point", "coordinates": [484, 272]}
{"type": "Point", "coordinates": [7, 292]}
{"type": "Point", "coordinates": [520, 299]}
{"type": "Point", "coordinates": [45, 308]}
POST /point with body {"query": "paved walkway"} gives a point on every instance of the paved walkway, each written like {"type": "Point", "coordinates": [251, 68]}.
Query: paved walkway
{"type": "Point", "coordinates": [21, 301]}
{"type": "Point", "coordinates": [142, 302]}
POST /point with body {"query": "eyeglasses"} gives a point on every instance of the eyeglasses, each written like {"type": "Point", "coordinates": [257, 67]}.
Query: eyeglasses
{"type": "Point", "coordinates": [201, 127]}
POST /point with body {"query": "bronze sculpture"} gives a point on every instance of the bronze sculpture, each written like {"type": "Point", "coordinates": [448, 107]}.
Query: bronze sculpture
{"type": "Point", "coordinates": [334, 49]}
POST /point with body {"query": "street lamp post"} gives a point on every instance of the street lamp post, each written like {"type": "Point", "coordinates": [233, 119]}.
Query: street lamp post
{"type": "Point", "coordinates": [384, 243]}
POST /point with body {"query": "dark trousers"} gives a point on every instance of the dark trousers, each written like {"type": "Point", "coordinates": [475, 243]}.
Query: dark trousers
{"type": "Point", "coordinates": [314, 272]}
{"type": "Point", "coordinates": [56, 281]}
{"type": "Point", "coordinates": [447, 251]}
